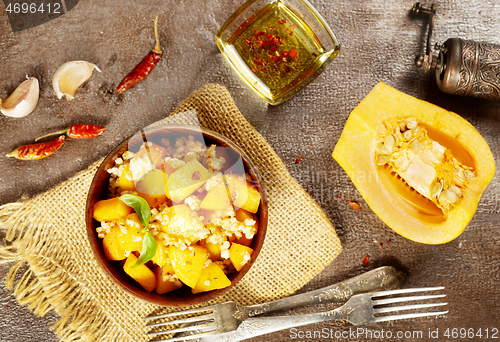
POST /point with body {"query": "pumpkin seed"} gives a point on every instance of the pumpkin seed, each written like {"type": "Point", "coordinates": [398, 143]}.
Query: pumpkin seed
{"type": "Point", "coordinates": [415, 146]}
{"type": "Point", "coordinates": [436, 188]}
{"type": "Point", "coordinates": [469, 174]}
{"type": "Point", "coordinates": [456, 190]}
{"type": "Point", "coordinates": [451, 196]}
{"type": "Point", "coordinates": [390, 142]}
{"type": "Point", "coordinates": [382, 149]}
{"type": "Point", "coordinates": [382, 160]}
{"type": "Point", "coordinates": [442, 197]}
{"type": "Point", "coordinates": [411, 124]}
{"type": "Point", "coordinates": [407, 134]}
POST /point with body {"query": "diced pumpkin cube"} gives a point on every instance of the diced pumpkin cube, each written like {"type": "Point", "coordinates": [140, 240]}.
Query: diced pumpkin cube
{"type": "Point", "coordinates": [239, 255]}
{"type": "Point", "coordinates": [186, 180]}
{"type": "Point", "coordinates": [154, 153]}
{"type": "Point", "coordinates": [220, 196]}
{"type": "Point", "coordinates": [212, 278]}
{"type": "Point", "coordinates": [126, 182]}
{"type": "Point", "coordinates": [184, 223]}
{"type": "Point", "coordinates": [141, 274]}
{"type": "Point", "coordinates": [242, 215]}
{"type": "Point", "coordinates": [188, 263]}
{"type": "Point", "coordinates": [161, 255]}
{"type": "Point", "coordinates": [111, 210]}
{"type": "Point", "coordinates": [248, 197]}
{"type": "Point", "coordinates": [214, 251]}
{"type": "Point", "coordinates": [163, 283]}
{"type": "Point", "coordinates": [152, 187]}
{"type": "Point", "coordinates": [129, 237]}
{"type": "Point", "coordinates": [112, 248]}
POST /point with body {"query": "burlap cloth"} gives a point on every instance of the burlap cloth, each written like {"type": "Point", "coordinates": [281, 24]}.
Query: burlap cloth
{"type": "Point", "coordinates": [48, 233]}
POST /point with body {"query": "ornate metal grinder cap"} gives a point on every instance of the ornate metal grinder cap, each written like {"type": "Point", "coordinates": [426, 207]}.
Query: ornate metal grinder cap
{"type": "Point", "coordinates": [462, 67]}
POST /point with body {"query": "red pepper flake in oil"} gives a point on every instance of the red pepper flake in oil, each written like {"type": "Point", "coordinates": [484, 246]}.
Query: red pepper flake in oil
{"type": "Point", "coordinates": [144, 68]}
{"type": "Point", "coordinates": [292, 27]}
{"type": "Point", "coordinates": [264, 70]}
{"type": "Point", "coordinates": [365, 261]}
{"type": "Point", "coordinates": [282, 21]}
{"type": "Point", "coordinates": [274, 48]}
{"type": "Point", "coordinates": [293, 53]}
{"type": "Point", "coordinates": [196, 175]}
{"type": "Point", "coordinates": [314, 55]}
{"type": "Point", "coordinates": [287, 69]}
{"type": "Point", "coordinates": [37, 151]}
{"type": "Point", "coordinates": [354, 205]}
{"type": "Point", "coordinates": [255, 69]}
{"type": "Point", "coordinates": [298, 159]}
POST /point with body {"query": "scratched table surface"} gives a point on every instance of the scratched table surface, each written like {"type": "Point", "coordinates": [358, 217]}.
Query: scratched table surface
{"type": "Point", "coordinates": [379, 41]}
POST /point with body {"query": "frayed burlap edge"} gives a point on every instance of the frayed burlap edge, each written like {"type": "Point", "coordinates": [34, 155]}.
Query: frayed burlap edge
{"type": "Point", "coordinates": [46, 285]}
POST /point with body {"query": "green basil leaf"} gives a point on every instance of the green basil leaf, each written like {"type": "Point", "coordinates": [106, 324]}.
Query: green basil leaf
{"type": "Point", "coordinates": [140, 206]}
{"type": "Point", "coordinates": [148, 250]}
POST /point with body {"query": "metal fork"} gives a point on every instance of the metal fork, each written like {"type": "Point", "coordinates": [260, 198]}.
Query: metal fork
{"type": "Point", "coordinates": [360, 309]}
{"type": "Point", "coordinates": [228, 316]}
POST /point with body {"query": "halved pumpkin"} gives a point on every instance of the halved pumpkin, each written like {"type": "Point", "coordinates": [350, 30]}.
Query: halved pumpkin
{"type": "Point", "coordinates": [420, 168]}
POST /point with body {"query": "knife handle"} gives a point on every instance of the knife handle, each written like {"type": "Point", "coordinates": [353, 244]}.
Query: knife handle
{"type": "Point", "coordinates": [379, 279]}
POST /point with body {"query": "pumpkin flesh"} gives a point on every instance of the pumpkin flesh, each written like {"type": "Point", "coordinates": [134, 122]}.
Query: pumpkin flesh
{"type": "Point", "coordinates": [420, 168]}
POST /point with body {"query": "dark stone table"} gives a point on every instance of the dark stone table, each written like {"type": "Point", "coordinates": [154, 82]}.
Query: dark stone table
{"type": "Point", "coordinates": [379, 42]}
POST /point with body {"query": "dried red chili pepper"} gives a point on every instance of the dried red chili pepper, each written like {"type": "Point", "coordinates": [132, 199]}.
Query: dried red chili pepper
{"type": "Point", "coordinates": [144, 68]}
{"type": "Point", "coordinates": [79, 131]}
{"type": "Point", "coordinates": [37, 151]}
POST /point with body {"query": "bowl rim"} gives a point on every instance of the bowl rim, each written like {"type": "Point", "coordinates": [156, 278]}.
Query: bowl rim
{"type": "Point", "coordinates": [152, 297]}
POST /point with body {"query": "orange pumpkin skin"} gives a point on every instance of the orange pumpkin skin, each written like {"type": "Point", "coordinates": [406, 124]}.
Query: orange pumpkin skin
{"type": "Point", "coordinates": [400, 209]}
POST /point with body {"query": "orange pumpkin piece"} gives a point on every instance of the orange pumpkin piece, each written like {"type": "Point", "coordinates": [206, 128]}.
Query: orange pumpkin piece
{"type": "Point", "coordinates": [161, 255]}
{"type": "Point", "coordinates": [154, 153]}
{"type": "Point", "coordinates": [242, 215]}
{"type": "Point", "coordinates": [248, 197]}
{"type": "Point", "coordinates": [188, 263]}
{"type": "Point", "coordinates": [141, 274]}
{"type": "Point", "coordinates": [212, 278]}
{"type": "Point", "coordinates": [129, 238]}
{"type": "Point", "coordinates": [163, 283]}
{"type": "Point", "coordinates": [111, 245]}
{"type": "Point", "coordinates": [111, 210]}
{"type": "Point", "coordinates": [239, 255]}
{"type": "Point", "coordinates": [420, 168]}
{"type": "Point", "coordinates": [126, 182]}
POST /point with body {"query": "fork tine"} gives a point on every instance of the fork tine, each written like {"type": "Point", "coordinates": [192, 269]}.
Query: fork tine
{"type": "Point", "coordinates": [401, 291]}
{"type": "Point", "coordinates": [406, 316]}
{"type": "Point", "coordinates": [210, 316]}
{"type": "Point", "coordinates": [178, 313]}
{"type": "Point", "coordinates": [184, 338]}
{"type": "Point", "coordinates": [186, 329]}
{"type": "Point", "coordinates": [404, 299]}
{"type": "Point", "coordinates": [407, 307]}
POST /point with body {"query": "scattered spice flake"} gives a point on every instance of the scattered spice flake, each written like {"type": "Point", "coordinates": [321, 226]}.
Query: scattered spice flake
{"type": "Point", "coordinates": [388, 241]}
{"type": "Point", "coordinates": [298, 159]}
{"type": "Point", "coordinates": [313, 146]}
{"type": "Point", "coordinates": [196, 175]}
{"type": "Point", "coordinates": [366, 260]}
{"type": "Point", "coordinates": [381, 244]}
{"type": "Point", "coordinates": [338, 197]}
{"type": "Point", "coordinates": [309, 192]}
{"type": "Point", "coordinates": [355, 205]}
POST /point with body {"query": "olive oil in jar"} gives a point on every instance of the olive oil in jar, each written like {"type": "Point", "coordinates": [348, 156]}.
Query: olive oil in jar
{"type": "Point", "coordinates": [275, 50]}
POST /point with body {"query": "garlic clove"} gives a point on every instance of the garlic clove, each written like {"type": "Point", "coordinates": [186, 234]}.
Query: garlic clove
{"type": "Point", "coordinates": [70, 76]}
{"type": "Point", "coordinates": [23, 100]}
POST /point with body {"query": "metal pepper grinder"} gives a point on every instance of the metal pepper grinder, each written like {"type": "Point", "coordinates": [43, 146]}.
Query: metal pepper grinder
{"type": "Point", "coordinates": [462, 67]}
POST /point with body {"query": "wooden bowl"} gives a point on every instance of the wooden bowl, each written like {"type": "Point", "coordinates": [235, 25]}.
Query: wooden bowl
{"type": "Point", "coordinates": [99, 191]}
